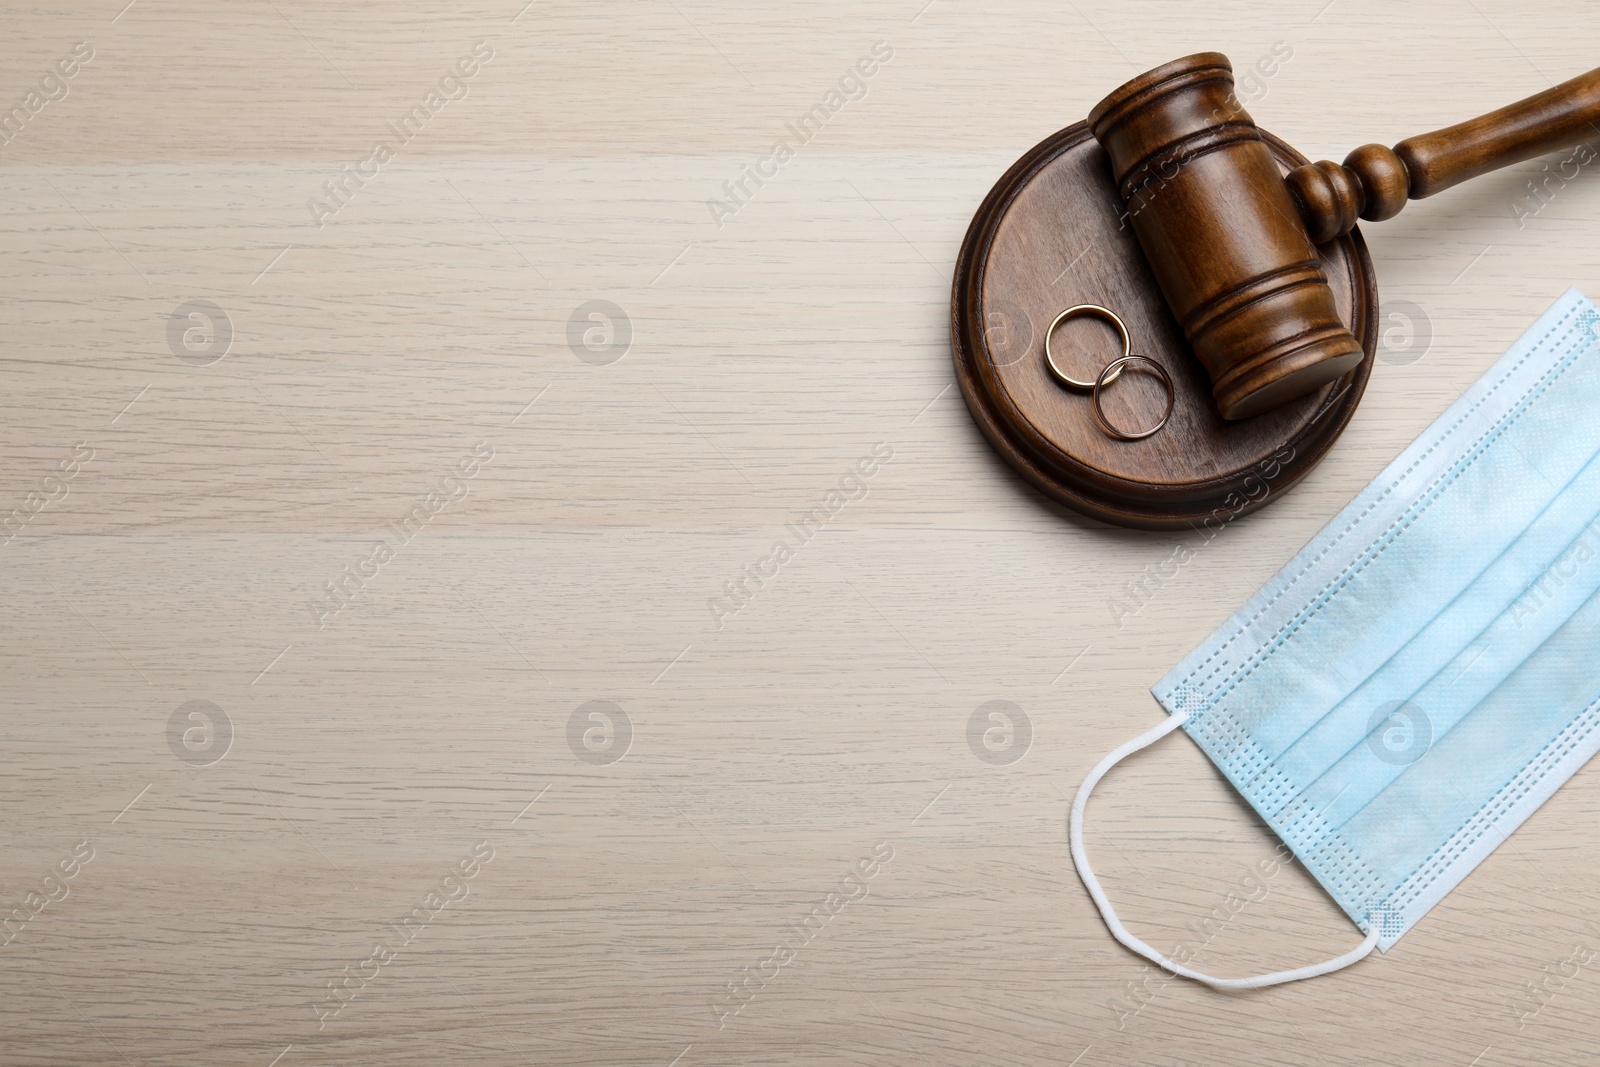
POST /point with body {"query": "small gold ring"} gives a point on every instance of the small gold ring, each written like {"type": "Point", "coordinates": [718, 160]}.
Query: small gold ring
{"type": "Point", "coordinates": [1099, 312]}
{"type": "Point", "coordinates": [1113, 369]}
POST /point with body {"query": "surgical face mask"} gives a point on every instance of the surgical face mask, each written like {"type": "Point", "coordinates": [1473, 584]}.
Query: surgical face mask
{"type": "Point", "coordinates": [1426, 672]}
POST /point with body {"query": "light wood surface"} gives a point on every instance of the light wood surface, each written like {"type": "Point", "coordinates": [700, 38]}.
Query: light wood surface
{"type": "Point", "coordinates": [768, 356]}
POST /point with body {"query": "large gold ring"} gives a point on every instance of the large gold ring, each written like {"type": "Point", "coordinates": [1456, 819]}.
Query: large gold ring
{"type": "Point", "coordinates": [1108, 376]}
{"type": "Point", "coordinates": [1099, 312]}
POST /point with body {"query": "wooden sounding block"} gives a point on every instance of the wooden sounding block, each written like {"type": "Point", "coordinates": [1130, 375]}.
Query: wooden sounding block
{"type": "Point", "coordinates": [1052, 234]}
{"type": "Point", "coordinates": [1238, 269]}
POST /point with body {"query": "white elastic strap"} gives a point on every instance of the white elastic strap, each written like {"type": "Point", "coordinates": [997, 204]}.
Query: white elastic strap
{"type": "Point", "coordinates": [1080, 859]}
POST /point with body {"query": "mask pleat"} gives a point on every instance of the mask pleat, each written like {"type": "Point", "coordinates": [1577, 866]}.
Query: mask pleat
{"type": "Point", "coordinates": [1428, 678]}
{"type": "Point", "coordinates": [1465, 769]}
{"type": "Point", "coordinates": [1435, 651]}
{"type": "Point", "coordinates": [1470, 519]}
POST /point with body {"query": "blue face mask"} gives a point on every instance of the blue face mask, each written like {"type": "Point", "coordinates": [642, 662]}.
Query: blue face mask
{"type": "Point", "coordinates": [1426, 672]}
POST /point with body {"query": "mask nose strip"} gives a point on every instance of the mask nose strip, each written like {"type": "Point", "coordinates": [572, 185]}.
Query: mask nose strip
{"type": "Point", "coordinates": [1080, 860]}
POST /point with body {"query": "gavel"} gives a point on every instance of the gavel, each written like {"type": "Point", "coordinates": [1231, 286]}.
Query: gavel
{"type": "Point", "coordinates": [1231, 240]}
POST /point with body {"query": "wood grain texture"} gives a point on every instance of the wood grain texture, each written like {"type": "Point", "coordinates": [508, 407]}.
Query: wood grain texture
{"type": "Point", "coordinates": [768, 357]}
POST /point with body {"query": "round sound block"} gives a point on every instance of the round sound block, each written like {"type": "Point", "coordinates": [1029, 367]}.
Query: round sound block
{"type": "Point", "coordinates": [1051, 234]}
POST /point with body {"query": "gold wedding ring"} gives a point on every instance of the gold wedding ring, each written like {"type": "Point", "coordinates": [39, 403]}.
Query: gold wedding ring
{"type": "Point", "coordinates": [1096, 311]}
{"type": "Point", "coordinates": [1109, 375]}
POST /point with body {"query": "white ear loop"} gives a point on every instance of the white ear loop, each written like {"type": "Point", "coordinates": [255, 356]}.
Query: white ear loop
{"type": "Point", "coordinates": [1080, 860]}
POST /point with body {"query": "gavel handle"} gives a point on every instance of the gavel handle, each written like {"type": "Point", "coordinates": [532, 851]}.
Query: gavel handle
{"type": "Point", "coordinates": [1375, 182]}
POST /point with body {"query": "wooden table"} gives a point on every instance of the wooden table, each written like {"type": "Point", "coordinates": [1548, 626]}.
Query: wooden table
{"type": "Point", "coordinates": [367, 482]}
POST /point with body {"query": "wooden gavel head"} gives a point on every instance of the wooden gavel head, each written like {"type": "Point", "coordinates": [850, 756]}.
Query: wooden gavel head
{"type": "Point", "coordinates": [1231, 241]}
{"type": "Point", "coordinates": [1223, 235]}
